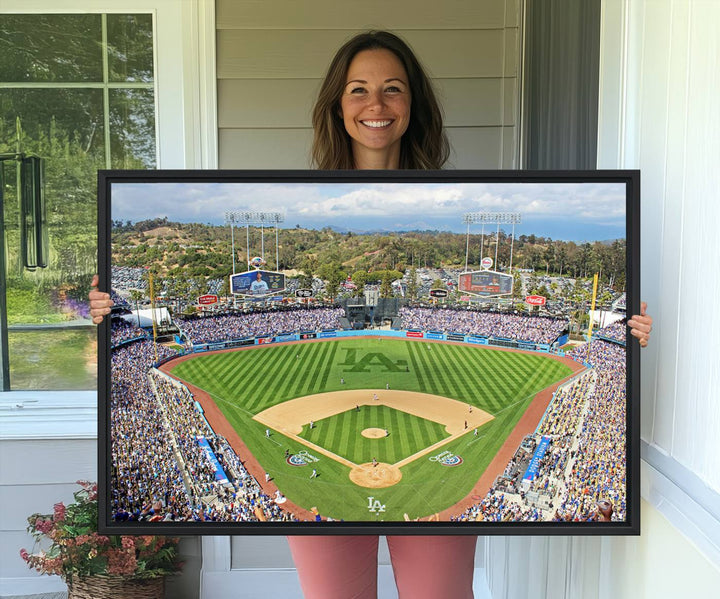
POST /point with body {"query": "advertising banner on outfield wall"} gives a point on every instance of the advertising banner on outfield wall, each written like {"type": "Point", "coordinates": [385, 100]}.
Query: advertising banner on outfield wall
{"type": "Point", "coordinates": [503, 343]}
{"type": "Point", "coordinates": [478, 340]}
{"type": "Point", "coordinates": [226, 345]}
{"type": "Point", "coordinates": [455, 337]}
{"type": "Point", "coordinates": [326, 334]}
{"type": "Point", "coordinates": [431, 335]}
{"type": "Point", "coordinates": [417, 334]}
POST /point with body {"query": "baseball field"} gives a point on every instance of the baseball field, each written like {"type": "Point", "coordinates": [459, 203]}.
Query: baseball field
{"type": "Point", "coordinates": [365, 429]}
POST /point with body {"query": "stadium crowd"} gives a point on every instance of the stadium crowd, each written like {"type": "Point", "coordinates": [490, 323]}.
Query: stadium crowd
{"type": "Point", "coordinates": [585, 461]}
{"type": "Point", "coordinates": [122, 330]}
{"type": "Point", "coordinates": [145, 473]}
{"type": "Point", "coordinates": [616, 331]}
{"type": "Point", "coordinates": [499, 507]}
{"type": "Point", "coordinates": [599, 466]}
{"type": "Point", "coordinates": [536, 329]}
{"type": "Point", "coordinates": [224, 328]}
{"type": "Point", "coordinates": [159, 471]}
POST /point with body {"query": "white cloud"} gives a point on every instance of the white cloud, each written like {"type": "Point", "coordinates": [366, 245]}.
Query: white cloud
{"type": "Point", "coordinates": [332, 202]}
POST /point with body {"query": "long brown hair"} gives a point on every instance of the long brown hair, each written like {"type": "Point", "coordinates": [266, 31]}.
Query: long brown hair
{"type": "Point", "coordinates": [424, 144]}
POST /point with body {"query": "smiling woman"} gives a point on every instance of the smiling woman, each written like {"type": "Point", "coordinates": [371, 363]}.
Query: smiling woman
{"type": "Point", "coordinates": [375, 108]}
{"type": "Point", "coordinates": [371, 84]}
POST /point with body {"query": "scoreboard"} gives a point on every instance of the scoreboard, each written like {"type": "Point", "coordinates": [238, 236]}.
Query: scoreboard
{"type": "Point", "coordinates": [257, 283]}
{"type": "Point", "coordinates": [486, 283]}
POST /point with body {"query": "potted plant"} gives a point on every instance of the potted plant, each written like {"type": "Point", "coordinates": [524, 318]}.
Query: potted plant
{"type": "Point", "coordinates": [95, 566]}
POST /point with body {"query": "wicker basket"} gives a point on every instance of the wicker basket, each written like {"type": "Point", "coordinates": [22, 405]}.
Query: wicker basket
{"type": "Point", "coordinates": [116, 587]}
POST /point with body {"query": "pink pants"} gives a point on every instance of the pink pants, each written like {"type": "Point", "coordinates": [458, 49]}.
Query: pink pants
{"type": "Point", "coordinates": [336, 567]}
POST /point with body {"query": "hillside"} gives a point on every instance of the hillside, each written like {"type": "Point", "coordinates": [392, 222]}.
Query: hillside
{"type": "Point", "coordinates": [190, 250]}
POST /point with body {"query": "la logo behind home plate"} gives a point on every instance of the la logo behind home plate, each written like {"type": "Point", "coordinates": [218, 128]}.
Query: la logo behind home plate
{"type": "Point", "coordinates": [375, 506]}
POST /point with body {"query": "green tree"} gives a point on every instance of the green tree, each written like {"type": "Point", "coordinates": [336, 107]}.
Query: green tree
{"type": "Point", "coordinates": [333, 275]}
{"type": "Point", "coordinates": [386, 279]}
{"type": "Point", "coordinates": [517, 285]}
{"type": "Point", "coordinates": [136, 295]}
{"type": "Point", "coordinates": [412, 287]}
{"type": "Point", "coordinates": [361, 278]}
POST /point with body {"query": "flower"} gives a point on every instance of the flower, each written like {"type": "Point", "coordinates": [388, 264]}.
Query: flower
{"type": "Point", "coordinates": [59, 512]}
{"type": "Point", "coordinates": [67, 544]}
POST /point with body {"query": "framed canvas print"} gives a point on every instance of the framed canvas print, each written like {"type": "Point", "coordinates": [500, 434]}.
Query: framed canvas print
{"type": "Point", "coordinates": [380, 352]}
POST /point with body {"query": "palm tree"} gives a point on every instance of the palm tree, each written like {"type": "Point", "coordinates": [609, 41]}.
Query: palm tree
{"type": "Point", "coordinates": [136, 295]}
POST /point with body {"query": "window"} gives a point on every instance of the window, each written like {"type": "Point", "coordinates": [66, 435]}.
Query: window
{"type": "Point", "coordinates": [77, 90]}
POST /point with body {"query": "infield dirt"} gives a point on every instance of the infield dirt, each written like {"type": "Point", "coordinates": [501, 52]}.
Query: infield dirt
{"type": "Point", "coordinates": [289, 418]}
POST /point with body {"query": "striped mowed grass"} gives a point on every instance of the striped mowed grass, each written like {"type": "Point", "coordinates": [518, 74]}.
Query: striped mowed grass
{"type": "Point", "coordinates": [407, 434]}
{"type": "Point", "coordinates": [246, 382]}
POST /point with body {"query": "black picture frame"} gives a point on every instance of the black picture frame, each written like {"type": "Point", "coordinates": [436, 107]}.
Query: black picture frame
{"type": "Point", "coordinates": [114, 185]}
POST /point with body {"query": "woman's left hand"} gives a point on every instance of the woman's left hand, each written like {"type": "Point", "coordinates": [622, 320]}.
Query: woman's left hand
{"type": "Point", "coordinates": [641, 325]}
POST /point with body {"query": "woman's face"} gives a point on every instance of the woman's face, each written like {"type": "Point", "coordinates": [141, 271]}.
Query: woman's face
{"type": "Point", "coordinates": [375, 107]}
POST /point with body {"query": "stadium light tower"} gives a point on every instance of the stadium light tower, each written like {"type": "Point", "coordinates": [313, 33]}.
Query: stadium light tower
{"type": "Point", "coordinates": [249, 217]}
{"type": "Point", "coordinates": [490, 218]}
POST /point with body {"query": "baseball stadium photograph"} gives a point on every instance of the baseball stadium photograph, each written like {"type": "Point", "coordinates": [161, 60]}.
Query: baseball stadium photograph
{"type": "Point", "coordinates": [357, 351]}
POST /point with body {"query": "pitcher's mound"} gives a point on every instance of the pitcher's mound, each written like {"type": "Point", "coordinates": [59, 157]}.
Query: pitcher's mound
{"type": "Point", "coordinates": [375, 477]}
{"type": "Point", "coordinates": [374, 433]}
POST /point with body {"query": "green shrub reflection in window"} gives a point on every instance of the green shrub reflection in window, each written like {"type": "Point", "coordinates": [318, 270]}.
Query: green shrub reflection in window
{"type": "Point", "coordinates": [82, 89]}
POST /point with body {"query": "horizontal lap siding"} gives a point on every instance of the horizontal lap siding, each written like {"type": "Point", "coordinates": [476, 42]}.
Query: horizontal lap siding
{"type": "Point", "coordinates": [271, 58]}
{"type": "Point", "coordinates": [306, 54]}
{"type": "Point", "coordinates": [344, 14]}
{"type": "Point", "coordinates": [36, 474]}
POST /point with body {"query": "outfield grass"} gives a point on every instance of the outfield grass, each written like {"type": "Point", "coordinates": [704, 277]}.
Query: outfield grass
{"type": "Point", "coordinates": [246, 382]}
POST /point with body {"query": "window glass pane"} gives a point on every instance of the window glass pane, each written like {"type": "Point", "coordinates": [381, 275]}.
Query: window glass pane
{"type": "Point", "coordinates": [51, 118]}
{"type": "Point", "coordinates": [130, 48]}
{"type": "Point", "coordinates": [132, 128]}
{"type": "Point", "coordinates": [54, 359]}
{"type": "Point", "coordinates": [37, 48]}
{"type": "Point", "coordinates": [65, 128]}
{"type": "Point", "coordinates": [52, 344]}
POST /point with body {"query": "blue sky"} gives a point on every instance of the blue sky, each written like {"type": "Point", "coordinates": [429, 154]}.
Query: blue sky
{"type": "Point", "coordinates": [567, 211]}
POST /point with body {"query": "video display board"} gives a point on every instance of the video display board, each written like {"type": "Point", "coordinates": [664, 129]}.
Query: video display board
{"type": "Point", "coordinates": [486, 283]}
{"type": "Point", "coordinates": [257, 283]}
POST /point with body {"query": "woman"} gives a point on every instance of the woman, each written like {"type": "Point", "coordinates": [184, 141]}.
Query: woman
{"type": "Point", "coordinates": [377, 110]}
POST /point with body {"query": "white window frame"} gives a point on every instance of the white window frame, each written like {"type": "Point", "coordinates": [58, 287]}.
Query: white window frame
{"type": "Point", "coordinates": [186, 136]}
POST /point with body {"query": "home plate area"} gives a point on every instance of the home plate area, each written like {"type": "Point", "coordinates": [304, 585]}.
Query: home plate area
{"type": "Point", "coordinates": [454, 416]}
{"type": "Point", "coordinates": [375, 476]}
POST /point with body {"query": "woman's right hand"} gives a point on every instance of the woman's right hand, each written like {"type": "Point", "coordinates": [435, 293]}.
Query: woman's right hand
{"type": "Point", "coordinates": [100, 302]}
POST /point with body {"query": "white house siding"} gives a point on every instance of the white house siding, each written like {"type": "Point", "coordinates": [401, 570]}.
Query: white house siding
{"type": "Point", "coordinates": [272, 56]}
